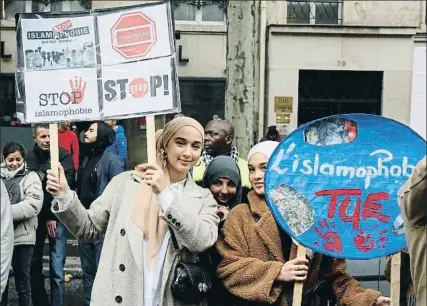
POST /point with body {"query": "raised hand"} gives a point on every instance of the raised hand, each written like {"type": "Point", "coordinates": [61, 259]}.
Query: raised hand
{"type": "Point", "coordinates": [57, 184]}
{"type": "Point", "coordinates": [78, 88]}
{"type": "Point", "coordinates": [331, 240]}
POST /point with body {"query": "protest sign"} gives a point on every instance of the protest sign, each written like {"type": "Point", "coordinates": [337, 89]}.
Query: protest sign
{"type": "Point", "coordinates": [110, 63]}
{"type": "Point", "coordinates": [103, 64]}
{"type": "Point", "coordinates": [332, 184]}
{"type": "Point", "coordinates": [134, 34]}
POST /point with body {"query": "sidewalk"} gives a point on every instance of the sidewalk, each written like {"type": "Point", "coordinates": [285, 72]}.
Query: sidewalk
{"type": "Point", "coordinates": [73, 288]}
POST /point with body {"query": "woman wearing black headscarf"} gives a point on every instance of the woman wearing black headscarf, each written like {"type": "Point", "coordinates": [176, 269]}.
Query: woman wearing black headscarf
{"type": "Point", "coordinates": [222, 178]}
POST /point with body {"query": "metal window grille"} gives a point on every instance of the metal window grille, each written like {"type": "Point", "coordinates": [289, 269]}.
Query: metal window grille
{"type": "Point", "coordinates": [315, 12]}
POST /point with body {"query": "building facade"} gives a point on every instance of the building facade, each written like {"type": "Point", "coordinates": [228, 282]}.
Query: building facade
{"type": "Point", "coordinates": [321, 58]}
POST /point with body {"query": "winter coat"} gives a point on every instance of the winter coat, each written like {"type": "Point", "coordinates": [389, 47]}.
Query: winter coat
{"type": "Point", "coordinates": [120, 147]}
{"type": "Point", "coordinates": [68, 141]}
{"type": "Point", "coordinates": [119, 279]}
{"type": "Point", "coordinates": [6, 237]}
{"type": "Point", "coordinates": [25, 212]}
{"type": "Point", "coordinates": [249, 273]}
{"type": "Point", "coordinates": [99, 167]}
{"type": "Point", "coordinates": [39, 161]}
{"type": "Point", "coordinates": [413, 199]}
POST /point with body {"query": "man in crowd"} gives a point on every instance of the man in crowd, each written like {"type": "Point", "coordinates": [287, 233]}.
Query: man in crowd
{"type": "Point", "coordinates": [39, 160]}
{"type": "Point", "coordinates": [413, 201]}
{"type": "Point", "coordinates": [219, 135]}
{"type": "Point", "coordinates": [7, 237]}
{"type": "Point", "coordinates": [68, 140]}
{"type": "Point", "coordinates": [97, 170]}
{"type": "Point", "coordinates": [120, 146]}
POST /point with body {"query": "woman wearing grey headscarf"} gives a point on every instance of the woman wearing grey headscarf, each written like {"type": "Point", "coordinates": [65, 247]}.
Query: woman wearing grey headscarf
{"type": "Point", "coordinates": [222, 178]}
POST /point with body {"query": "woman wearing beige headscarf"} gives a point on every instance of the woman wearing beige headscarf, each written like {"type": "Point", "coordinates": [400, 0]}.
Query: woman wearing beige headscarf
{"type": "Point", "coordinates": [136, 213]}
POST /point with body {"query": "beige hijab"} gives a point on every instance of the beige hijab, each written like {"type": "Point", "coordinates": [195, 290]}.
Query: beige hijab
{"type": "Point", "coordinates": [146, 212]}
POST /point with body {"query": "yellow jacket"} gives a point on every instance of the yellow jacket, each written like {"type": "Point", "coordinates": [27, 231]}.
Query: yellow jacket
{"type": "Point", "coordinates": [200, 168]}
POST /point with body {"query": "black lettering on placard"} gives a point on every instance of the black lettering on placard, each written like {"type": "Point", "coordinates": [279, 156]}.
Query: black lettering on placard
{"type": "Point", "coordinates": [122, 84]}
{"type": "Point", "coordinates": [52, 96]}
{"type": "Point", "coordinates": [166, 84]}
{"type": "Point", "coordinates": [65, 100]}
{"type": "Point", "coordinates": [155, 82]}
{"type": "Point", "coordinates": [43, 100]}
{"type": "Point", "coordinates": [109, 87]}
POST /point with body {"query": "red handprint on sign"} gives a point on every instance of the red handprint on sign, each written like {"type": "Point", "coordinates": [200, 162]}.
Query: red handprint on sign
{"type": "Point", "coordinates": [331, 240]}
{"type": "Point", "coordinates": [364, 241]}
{"type": "Point", "coordinates": [78, 87]}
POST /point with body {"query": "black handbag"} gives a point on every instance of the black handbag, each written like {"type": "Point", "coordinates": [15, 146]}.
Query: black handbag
{"type": "Point", "coordinates": [191, 282]}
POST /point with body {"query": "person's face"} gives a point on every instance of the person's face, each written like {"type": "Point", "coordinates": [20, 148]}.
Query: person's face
{"type": "Point", "coordinates": [64, 125]}
{"type": "Point", "coordinates": [14, 160]}
{"type": "Point", "coordinates": [91, 133]}
{"type": "Point", "coordinates": [223, 191]}
{"type": "Point", "coordinates": [257, 165]}
{"type": "Point", "coordinates": [184, 149]}
{"type": "Point", "coordinates": [42, 139]}
{"type": "Point", "coordinates": [216, 138]}
{"type": "Point", "coordinates": [111, 123]}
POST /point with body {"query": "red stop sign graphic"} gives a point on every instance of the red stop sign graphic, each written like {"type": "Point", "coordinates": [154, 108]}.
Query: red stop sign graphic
{"type": "Point", "coordinates": [133, 35]}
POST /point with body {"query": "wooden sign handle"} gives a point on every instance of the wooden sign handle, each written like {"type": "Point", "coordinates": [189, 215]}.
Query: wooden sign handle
{"type": "Point", "coordinates": [54, 151]}
{"type": "Point", "coordinates": [297, 298]}
{"type": "Point", "coordinates": [151, 139]}
{"type": "Point", "coordinates": [395, 279]}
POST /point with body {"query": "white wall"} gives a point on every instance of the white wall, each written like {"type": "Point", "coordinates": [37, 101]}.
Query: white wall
{"type": "Point", "coordinates": [418, 97]}
{"type": "Point", "coordinates": [290, 53]}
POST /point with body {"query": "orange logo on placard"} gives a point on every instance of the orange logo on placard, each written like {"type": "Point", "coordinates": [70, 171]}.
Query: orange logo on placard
{"type": "Point", "coordinates": [138, 88]}
{"type": "Point", "coordinates": [133, 35]}
{"type": "Point", "coordinates": [78, 88]}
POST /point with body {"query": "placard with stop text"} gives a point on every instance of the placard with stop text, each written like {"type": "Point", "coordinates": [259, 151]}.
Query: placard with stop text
{"type": "Point", "coordinates": [58, 42]}
{"type": "Point", "coordinates": [139, 88]}
{"type": "Point", "coordinates": [333, 184]}
{"type": "Point", "coordinates": [133, 34]}
{"type": "Point", "coordinates": [70, 65]}
{"type": "Point", "coordinates": [61, 95]}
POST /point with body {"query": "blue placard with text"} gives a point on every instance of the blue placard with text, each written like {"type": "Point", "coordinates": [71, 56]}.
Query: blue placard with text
{"type": "Point", "coordinates": [333, 184]}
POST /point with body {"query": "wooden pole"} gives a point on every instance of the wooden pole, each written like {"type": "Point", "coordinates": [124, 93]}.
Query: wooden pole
{"type": "Point", "coordinates": [395, 279]}
{"type": "Point", "coordinates": [297, 299]}
{"type": "Point", "coordinates": [151, 139]}
{"type": "Point", "coordinates": [54, 151]}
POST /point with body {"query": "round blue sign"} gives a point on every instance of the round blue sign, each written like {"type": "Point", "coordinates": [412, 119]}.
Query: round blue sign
{"type": "Point", "coordinates": [332, 184]}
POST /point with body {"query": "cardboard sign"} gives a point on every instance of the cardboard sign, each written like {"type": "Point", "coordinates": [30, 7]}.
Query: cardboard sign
{"type": "Point", "coordinates": [145, 86]}
{"type": "Point", "coordinates": [135, 34]}
{"type": "Point", "coordinates": [332, 184]}
{"type": "Point", "coordinates": [76, 66]}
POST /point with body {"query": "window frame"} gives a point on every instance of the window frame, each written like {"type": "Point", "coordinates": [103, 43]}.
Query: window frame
{"type": "Point", "coordinates": [66, 7]}
{"type": "Point", "coordinates": [199, 18]}
{"type": "Point", "coordinates": [312, 11]}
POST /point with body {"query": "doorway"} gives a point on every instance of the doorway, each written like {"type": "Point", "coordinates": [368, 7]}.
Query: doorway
{"type": "Point", "coordinates": [323, 93]}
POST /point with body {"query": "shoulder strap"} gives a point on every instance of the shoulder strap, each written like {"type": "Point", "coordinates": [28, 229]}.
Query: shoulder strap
{"type": "Point", "coordinates": [173, 237]}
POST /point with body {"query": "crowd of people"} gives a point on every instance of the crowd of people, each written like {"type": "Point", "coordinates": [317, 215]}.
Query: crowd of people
{"type": "Point", "coordinates": [192, 228]}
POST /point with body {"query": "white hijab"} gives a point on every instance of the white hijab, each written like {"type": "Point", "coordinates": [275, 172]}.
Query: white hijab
{"type": "Point", "coordinates": [267, 148]}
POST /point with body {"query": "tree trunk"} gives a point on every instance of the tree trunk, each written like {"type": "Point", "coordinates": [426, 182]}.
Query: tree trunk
{"type": "Point", "coordinates": [242, 83]}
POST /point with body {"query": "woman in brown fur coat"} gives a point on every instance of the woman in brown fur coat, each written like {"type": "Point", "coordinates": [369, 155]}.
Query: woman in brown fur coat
{"type": "Point", "coordinates": [259, 264]}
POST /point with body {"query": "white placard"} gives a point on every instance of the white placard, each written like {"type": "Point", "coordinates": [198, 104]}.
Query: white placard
{"type": "Point", "coordinates": [140, 87]}
{"type": "Point", "coordinates": [58, 43]}
{"type": "Point", "coordinates": [418, 98]}
{"type": "Point", "coordinates": [58, 95]}
{"type": "Point", "coordinates": [135, 34]}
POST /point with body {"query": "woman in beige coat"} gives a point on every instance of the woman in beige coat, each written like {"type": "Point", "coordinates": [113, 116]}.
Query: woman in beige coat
{"type": "Point", "coordinates": [136, 213]}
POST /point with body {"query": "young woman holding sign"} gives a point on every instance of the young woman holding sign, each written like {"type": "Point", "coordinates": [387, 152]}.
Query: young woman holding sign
{"type": "Point", "coordinates": [139, 213]}
{"type": "Point", "coordinates": [259, 264]}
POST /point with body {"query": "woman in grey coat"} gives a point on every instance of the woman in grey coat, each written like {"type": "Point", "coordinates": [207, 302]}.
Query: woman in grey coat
{"type": "Point", "coordinates": [136, 213]}
{"type": "Point", "coordinates": [26, 195]}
